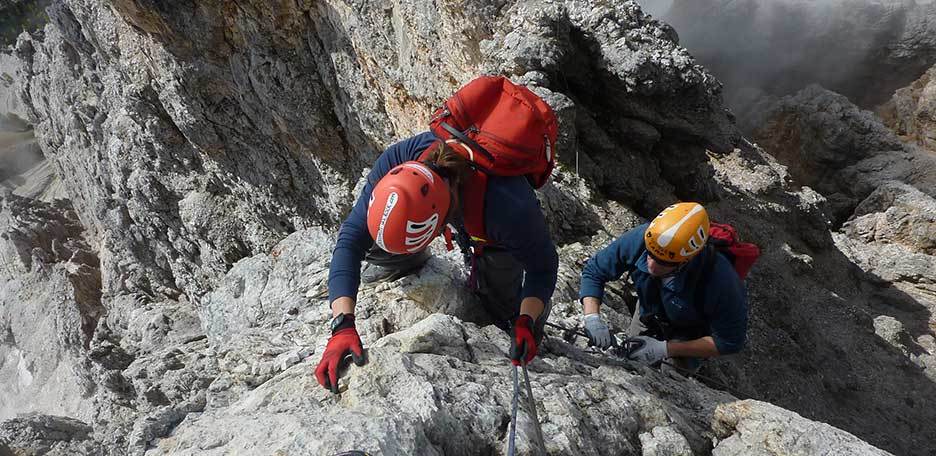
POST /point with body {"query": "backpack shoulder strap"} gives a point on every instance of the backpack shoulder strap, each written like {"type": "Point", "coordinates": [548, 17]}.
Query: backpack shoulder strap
{"type": "Point", "coordinates": [471, 196]}
{"type": "Point", "coordinates": [699, 278]}
{"type": "Point", "coordinates": [472, 202]}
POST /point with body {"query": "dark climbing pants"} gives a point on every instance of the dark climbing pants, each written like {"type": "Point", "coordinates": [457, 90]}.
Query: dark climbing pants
{"type": "Point", "coordinates": [495, 279]}
{"type": "Point", "coordinates": [498, 282]}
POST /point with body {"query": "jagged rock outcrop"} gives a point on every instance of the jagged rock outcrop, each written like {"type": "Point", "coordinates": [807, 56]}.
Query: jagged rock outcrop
{"type": "Point", "coordinates": [437, 384]}
{"type": "Point", "coordinates": [809, 311]}
{"type": "Point", "coordinates": [193, 140]}
{"type": "Point", "coordinates": [44, 435]}
{"type": "Point", "coordinates": [912, 111]}
{"type": "Point", "coordinates": [9, 87]}
{"type": "Point", "coordinates": [863, 49]}
{"type": "Point", "coordinates": [23, 168]}
{"type": "Point", "coordinates": [51, 303]}
{"type": "Point", "coordinates": [269, 113]}
{"type": "Point", "coordinates": [752, 428]}
{"type": "Point", "coordinates": [892, 236]}
{"type": "Point", "coordinates": [881, 190]}
{"type": "Point", "coordinates": [838, 149]}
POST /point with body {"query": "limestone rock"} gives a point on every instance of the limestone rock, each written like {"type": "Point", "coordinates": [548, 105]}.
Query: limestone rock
{"type": "Point", "coordinates": [892, 237]}
{"type": "Point", "coordinates": [10, 87]}
{"type": "Point", "coordinates": [51, 303]}
{"type": "Point", "coordinates": [46, 435]}
{"type": "Point", "coordinates": [758, 429]}
{"type": "Point", "coordinates": [627, 58]}
{"type": "Point", "coordinates": [843, 152]}
{"type": "Point", "coordinates": [210, 152]}
{"type": "Point", "coordinates": [890, 329]}
{"type": "Point", "coordinates": [896, 213]}
{"type": "Point", "coordinates": [443, 386]}
{"type": "Point", "coordinates": [663, 440]}
{"type": "Point", "coordinates": [234, 156]}
{"type": "Point", "coordinates": [911, 112]}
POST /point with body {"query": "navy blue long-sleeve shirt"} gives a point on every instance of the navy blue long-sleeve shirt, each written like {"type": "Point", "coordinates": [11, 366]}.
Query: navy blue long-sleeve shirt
{"type": "Point", "coordinates": [724, 302]}
{"type": "Point", "coordinates": [512, 217]}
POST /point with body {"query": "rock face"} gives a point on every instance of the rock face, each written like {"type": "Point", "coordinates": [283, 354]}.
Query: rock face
{"type": "Point", "coordinates": [434, 384]}
{"type": "Point", "coordinates": [9, 87]}
{"type": "Point", "coordinates": [23, 168]}
{"type": "Point", "coordinates": [840, 150]}
{"type": "Point", "coordinates": [46, 435]}
{"type": "Point", "coordinates": [892, 236]}
{"type": "Point", "coordinates": [911, 112]}
{"type": "Point", "coordinates": [209, 152]}
{"type": "Point", "coordinates": [880, 189]}
{"type": "Point", "coordinates": [51, 306]}
{"type": "Point", "coordinates": [265, 117]}
{"type": "Point", "coordinates": [745, 425]}
{"type": "Point", "coordinates": [863, 49]}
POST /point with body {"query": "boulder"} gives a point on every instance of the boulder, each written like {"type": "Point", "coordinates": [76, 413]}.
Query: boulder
{"type": "Point", "coordinates": [758, 429]}
{"type": "Point", "coordinates": [911, 112]}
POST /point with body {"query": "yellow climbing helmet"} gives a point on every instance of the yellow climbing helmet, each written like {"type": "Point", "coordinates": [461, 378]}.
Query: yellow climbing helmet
{"type": "Point", "coordinates": [678, 233]}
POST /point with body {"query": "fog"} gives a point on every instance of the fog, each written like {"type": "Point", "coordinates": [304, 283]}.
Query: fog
{"type": "Point", "coordinates": [864, 49]}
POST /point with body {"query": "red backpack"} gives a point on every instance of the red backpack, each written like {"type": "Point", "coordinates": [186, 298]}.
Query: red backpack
{"type": "Point", "coordinates": [742, 255]}
{"type": "Point", "coordinates": [503, 129]}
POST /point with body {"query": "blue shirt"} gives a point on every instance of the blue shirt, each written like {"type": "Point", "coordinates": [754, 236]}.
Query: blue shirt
{"type": "Point", "coordinates": [512, 218]}
{"type": "Point", "coordinates": [723, 306]}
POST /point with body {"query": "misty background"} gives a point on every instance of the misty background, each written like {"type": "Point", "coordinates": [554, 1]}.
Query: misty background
{"type": "Point", "coordinates": [20, 155]}
{"type": "Point", "coordinates": [863, 49]}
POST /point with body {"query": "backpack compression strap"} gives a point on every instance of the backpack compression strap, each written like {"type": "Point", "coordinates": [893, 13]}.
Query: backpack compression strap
{"type": "Point", "coordinates": [471, 195]}
{"type": "Point", "coordinates": [465, 139]}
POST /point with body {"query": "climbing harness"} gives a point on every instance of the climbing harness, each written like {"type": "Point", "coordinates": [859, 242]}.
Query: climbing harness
{"type": "Point", "coordinates": [511, 445]}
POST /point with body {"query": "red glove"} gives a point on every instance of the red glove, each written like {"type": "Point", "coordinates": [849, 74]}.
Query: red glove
{"type": "Point", "coordinates": [342, 342]}
{"type": "Point", "coordinates": [522, 343]}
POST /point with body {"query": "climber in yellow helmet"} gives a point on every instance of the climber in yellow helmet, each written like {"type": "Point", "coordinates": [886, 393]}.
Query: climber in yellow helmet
{"type": "Point", "coordinates": [692, 303]}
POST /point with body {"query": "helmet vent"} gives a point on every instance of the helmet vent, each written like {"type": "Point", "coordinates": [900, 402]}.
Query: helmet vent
{"type": "Point", "coordinates": [424, 189]}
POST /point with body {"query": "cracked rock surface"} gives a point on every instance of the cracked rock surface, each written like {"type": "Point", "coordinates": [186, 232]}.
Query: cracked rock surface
{"type": "Point", "coordinates": [209, 151]}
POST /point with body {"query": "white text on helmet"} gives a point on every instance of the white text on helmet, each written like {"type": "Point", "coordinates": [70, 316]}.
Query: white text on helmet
{"type": "Point", "coordinates": [391, 202]}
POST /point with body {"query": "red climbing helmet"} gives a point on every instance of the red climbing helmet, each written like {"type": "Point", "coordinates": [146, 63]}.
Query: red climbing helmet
{"type": "Point", "coordinates": [407, 208]}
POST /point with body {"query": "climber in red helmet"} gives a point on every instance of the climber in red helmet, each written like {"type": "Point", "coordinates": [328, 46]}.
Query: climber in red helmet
{"type": "Point", "coordinates": [456, 175]}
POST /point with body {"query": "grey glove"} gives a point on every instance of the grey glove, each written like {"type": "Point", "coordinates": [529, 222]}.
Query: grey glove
{"type": "Point", "coordinates": [645, 349]}
{"type": "Point", "coordinates": [597, 330]}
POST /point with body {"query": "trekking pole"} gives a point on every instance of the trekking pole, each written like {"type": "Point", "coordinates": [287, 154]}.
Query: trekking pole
{"type": "Point", "coordinates": [536, 425]}
{"type": "Point", "coordinates": [513, 414]}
